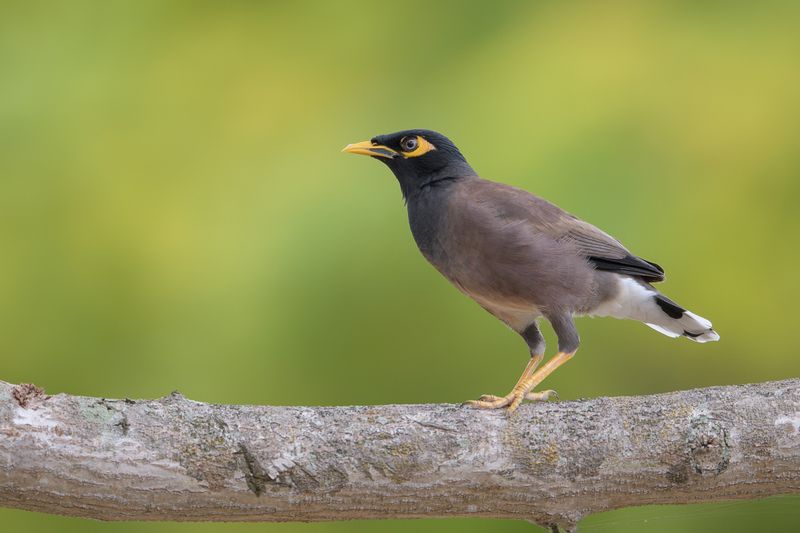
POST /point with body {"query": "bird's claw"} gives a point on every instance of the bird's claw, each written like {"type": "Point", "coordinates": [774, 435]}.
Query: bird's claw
{"type": "Point", "coordinates": [495, 403]}
{"type": "Point", "coordinates": [542, 396]}
{"type": "Point", "coordinates": [490, 398]}
{"type": "Point", "coordinates": [511, 400]}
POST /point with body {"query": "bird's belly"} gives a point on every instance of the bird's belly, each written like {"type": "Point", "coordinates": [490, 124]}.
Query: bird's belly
{"type": "Point", "coordinates": [513, 304]}
{"type": "Point", "coordinates": [515, 314]}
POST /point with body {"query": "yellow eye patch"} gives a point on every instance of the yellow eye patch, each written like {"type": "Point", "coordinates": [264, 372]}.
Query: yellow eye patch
{"type": "Point", "coordinates": [422, 148]}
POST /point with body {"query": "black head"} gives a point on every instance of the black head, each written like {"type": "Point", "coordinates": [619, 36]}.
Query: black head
{"type": "Point", "coordinates": [418, 158]}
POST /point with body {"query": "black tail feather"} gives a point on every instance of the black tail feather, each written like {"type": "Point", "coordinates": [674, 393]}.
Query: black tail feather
{"type": "Point", "coordinates": [668, 306]}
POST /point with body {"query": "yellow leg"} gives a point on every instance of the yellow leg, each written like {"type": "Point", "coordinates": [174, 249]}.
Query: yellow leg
{"type": "Point", "coordinates": [522, 390]}
{"type": "Point", "coordinates": [530, 368]}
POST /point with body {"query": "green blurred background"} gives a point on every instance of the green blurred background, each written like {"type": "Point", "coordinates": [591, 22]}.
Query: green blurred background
{"type": "Point", "coordinates": [175, 212]}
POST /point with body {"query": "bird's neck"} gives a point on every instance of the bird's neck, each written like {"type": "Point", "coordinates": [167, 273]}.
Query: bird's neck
{"type": "Point", "coordinates": [414, 186]}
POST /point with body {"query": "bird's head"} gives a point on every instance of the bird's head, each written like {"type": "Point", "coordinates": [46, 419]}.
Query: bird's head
{"type": "Point", "coordinates": [418, 158]}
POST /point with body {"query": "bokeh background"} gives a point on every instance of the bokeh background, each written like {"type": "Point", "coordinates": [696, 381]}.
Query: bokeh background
{"type": "Point", "coordinates": [175, 212]}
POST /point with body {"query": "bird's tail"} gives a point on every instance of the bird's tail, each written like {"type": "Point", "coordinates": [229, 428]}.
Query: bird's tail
{"type": "Point", "coordinates": [675, 321]}
{"type": "Point", "coordinates": [638, 300]}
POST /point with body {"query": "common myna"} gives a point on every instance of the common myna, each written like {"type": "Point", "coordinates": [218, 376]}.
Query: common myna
{"type": "Point", "coordinates": [521, 257]}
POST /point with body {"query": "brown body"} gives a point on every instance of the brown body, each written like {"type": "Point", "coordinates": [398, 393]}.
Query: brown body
{"type": "Point", "coordinates": [508, 250]}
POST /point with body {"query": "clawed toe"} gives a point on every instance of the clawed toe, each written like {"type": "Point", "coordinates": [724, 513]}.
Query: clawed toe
{"type": "Point", "coordinates": [512, 400]}
{"type": "Point", "coordinates": [542, 396]}
{"type": "Point", "coordinates": [490, 401]}
{"type": "Point", "coordinates": [490, 398]}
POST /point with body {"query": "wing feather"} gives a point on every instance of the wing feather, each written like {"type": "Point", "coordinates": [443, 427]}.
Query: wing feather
{"type": "Point", "coordinates": [602, 250]}
{"type": "Point", "coordinates": [607, 253]}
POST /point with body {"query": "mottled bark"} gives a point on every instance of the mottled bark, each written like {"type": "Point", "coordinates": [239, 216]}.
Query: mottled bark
{"type": "Point", "coordinates": [552, 463]}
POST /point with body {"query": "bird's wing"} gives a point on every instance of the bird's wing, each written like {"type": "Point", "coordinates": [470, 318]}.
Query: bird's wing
{"type": "Point", "coordinates": [605, 252]}
{"type": "Point", "coordinates": [602, 250]}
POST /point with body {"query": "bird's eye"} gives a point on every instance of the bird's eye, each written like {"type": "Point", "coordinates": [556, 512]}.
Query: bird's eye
{"type": "Point", "coordinates": [409, 144]}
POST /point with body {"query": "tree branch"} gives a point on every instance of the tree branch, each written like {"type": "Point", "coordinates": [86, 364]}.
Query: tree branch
{"type": "Point", "coordinates": [552, 463]}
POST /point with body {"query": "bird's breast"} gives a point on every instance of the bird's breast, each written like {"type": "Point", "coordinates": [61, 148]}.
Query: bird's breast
{"type": "Point", "coordinates": [426, 218]}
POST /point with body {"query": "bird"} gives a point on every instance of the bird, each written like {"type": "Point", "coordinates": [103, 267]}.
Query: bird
{"type": "Point", "coordinates": [522, 258]}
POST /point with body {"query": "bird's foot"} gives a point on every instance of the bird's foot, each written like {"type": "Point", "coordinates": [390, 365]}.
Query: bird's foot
{"type": "Point", "coordinates": [530, 378]}
{"type": "Point", "coordinates": [511, 400]}
{"type": "Point", "coordinates": [542, 396]}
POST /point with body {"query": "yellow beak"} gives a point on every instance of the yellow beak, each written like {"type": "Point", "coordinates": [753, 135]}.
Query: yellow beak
{"type": "Point", "coordinates": [367, 148]}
